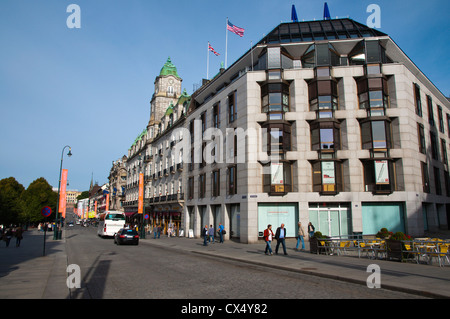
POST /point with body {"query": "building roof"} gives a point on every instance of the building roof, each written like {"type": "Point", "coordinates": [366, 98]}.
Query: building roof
{"type": "Point", "coordinates": [169, 69]}
{"type": "Point", "coordinates": [308, 31]}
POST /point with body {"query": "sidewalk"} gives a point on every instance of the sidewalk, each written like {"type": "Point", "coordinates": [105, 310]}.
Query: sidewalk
{"type": "Point", "coordinates": [420, 279]}
{"type": "Point", "coordinates": [26, 274]}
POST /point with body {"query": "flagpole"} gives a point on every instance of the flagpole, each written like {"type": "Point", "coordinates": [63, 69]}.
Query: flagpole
{"type": "Point", "coordinates": [207, 63]}
{"type": "Point", "coordinates": [226, 44]}
{"type": "Point", "coordinates": [251, 52]}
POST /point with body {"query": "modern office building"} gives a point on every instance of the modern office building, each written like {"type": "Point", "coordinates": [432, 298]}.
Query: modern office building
{"type": "Point", "coordinates": [326, 122]}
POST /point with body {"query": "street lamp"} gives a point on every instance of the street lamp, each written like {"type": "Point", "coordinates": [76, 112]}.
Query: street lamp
{"type": "Point", "coordinates": [56, 234]}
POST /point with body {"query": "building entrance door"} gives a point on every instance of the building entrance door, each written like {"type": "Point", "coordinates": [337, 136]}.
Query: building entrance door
{"type": "Point", "coordinates": [331, 219]}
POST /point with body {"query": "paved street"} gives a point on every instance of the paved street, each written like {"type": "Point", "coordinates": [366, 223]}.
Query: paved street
{"type": "Point", "coordinates": [148, 271]}
{"type": "Point", "coordinates": [177, 268]}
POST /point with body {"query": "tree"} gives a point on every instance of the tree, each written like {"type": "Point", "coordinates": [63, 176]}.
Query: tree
{"type": "Point", "coordinates": [38, 195]}
{"type": "Point", "coordinates": [83, 195]}
{"type": "Point", "coordinates": [10, 200]}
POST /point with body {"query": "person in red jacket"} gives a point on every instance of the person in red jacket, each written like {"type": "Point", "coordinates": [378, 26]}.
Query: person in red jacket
{"type": "Point", "coordinates": [268, 237]}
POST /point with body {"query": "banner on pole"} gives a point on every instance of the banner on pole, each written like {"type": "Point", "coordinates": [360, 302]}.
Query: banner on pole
{"type": "Point", "coordinates": [141, 194]}
{"type": "Point", "coordinates": [62, 193]}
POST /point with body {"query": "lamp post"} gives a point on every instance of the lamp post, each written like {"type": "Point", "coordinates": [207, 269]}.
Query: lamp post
{"type": "Point", "coordinates": [56, 230]}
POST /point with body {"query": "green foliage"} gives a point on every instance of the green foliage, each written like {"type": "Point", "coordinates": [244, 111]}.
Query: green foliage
{"type": "Point", "coordinates": [38, 195]}
{"type": "Point", "coordinates": [18, 205]}
{"type": "Point", "coordinates": [10, 203]}
{"type": "Point", "coordinates": [318, 234]}
{"type": "Point", "coordinates": [383, 233]}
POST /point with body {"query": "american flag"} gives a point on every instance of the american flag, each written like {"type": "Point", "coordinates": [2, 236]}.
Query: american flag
{"type": "Point", "coordinates": [212, 49]}
{"type": "Point", "coordinates": [236, 30]}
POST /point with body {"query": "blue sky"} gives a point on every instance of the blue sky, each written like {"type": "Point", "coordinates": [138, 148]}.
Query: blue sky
{"type": "Point", "coordinates": [90, 87]}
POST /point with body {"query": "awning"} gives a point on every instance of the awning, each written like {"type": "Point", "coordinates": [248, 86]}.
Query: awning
{"type": "Point", "coordinates": [130, 214]}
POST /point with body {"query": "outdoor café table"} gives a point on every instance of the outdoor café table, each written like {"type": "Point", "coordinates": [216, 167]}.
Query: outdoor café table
{"type": "Point", "coordinates": [377, 249]}
{"type": "Point", "coordinates": [329, 246]}
{"type": "Point", "coordinates": [425, 248]}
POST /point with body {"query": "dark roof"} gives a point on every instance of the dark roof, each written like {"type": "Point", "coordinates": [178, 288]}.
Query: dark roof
{"type": "Point", "coordinates": [319, 30]}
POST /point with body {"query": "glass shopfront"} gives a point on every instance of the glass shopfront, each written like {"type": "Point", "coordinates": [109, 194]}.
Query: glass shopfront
{"type": "Point", "coordinates": [276, 214]}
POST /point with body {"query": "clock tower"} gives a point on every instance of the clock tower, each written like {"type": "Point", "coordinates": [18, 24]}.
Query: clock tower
{"type": "Point", "coordinates": [167, 92]}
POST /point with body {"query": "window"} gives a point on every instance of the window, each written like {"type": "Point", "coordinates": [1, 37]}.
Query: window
{"type": "Point", "coordinates": [441, 119]}
{"type": "Point", "coordinates": [375, 135]}
{"type": "Point", "coordinates": [379, 176]}
{"type": "Point", "coordinates": [434, 146]}
{"type": "Point", "coordinates": [323, 54]}
{"type": "Point", "coordinates": [421, 133]}
{"type": "Point", "coordinates": [232, 180]}
{"type": "Point", "coordinates": [274, 58]}
{"type": "Point", "coordinates": [325, 137]}
{"type": "Point", "coordinates": [444, 151]}
{"type": "Point", "coordinates": [417, 99]}
{"type": "Point", "coordinates": [232, 111]}
{"type": "Point", "coordinates": [202, 185]}
{"type": "Point", "coordinates": [437, 180]}
{"type": "Point", "coordinates": [277, 179]}
{"type": "Point", "coordinates": [275, 99]}
{"type": "Point", "coordinates": [425, 178]}
{"type": "Point", "coordinates": [373, 95]}
{"type": "Point", "coordinates": [215, 179]}
{"type": "Point", "coordinates": [278, 138]}
{"type": "Point", "coordinates": [430, 110]}
{"type": "Point", "coordinates": [216, 115]}
{"type": "Point", "coordinates": [448, 124]}
{"type": "Point", "coordinates": [191, 187]}
{"type": "Point", "coordinates": [323, 97]}
{"type": "Point", "coordinates": [327, 177]}
{"type": "Point", "coordinates": [203, 119]}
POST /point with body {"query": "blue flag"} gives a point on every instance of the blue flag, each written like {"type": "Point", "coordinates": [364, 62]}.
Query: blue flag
{"type": "Point", "coordinates": [294, 17]}
{"type": "Point", "coordinates": [326, 12]}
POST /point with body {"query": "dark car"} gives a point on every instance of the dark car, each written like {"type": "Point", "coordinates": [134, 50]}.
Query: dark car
{"type": "Point", "coordinates": [126, 236]}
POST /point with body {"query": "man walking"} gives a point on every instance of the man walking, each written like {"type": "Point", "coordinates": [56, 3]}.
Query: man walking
{"type": "Point", "coordinates": [280, 236]}
{"type": "Point", "coordinates": [205, 235]}
{"type": "Point", "coordinates": [221, 230]}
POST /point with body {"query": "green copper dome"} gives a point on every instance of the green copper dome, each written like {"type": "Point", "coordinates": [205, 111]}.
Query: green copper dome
{"type": "Point", "coordinates": [169, 69]}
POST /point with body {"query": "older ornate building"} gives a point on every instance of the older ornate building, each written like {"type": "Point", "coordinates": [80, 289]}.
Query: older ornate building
{"type": "Point", "coordinates": [151, 154]}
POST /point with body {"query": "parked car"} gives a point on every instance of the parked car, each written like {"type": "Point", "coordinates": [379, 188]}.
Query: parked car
{"type": "Point", "coordinates": [126, 236]}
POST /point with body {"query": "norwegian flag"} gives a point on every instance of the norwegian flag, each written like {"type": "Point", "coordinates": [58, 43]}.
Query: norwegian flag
{"type": "Point", "coordinates": [212, 49]}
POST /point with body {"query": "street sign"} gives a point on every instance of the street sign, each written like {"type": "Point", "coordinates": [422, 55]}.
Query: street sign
{"type": "Point", "coordinates": [146, 216]}
{"type": "Point", "coordinates": [46, 211]}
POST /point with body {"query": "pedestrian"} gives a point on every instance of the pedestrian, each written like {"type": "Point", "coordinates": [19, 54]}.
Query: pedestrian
{"type": "Point", "coordinates": [205, 235]}
{"type": "Point", "coordinates": [155, 231]}
{"type": "Point", "coordinates": [211, 233]}
{"type": "Point", "coordinates": [169, 231]}
{"type": "Point", "coordinates": [19, 236]}
{"type": "Point", "coordinates": [221, 233]}
{"type": "Point", "coordinates": [7, 236]}
{"type": "Point", "coordinates": [268, 237]}
{"type": "Point", "coordinates": [300, 235]}
{"type": "Point", "coordinates": [280, 236]}
{"type": "Point", "coordinates": [159, 231]}
{"type": "Point", "coordinates": [311, 230]}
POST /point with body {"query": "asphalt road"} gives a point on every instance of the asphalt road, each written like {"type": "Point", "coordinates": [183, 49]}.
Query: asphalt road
{"type": "Point", "coordinates": [109, 271]}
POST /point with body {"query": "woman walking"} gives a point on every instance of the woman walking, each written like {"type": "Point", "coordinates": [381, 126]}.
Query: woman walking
{"type": "Point", "coordinates": [268, 236]}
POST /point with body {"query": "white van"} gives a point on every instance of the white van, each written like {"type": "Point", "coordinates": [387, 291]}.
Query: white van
{"type": "Point", "coordinates": [110, 223]}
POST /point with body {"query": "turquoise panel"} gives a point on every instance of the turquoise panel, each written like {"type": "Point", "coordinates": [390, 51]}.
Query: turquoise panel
{"type": "Point", "coordinates": [277, 214]}
{"type": "Point", "coordinates": [382, 215]}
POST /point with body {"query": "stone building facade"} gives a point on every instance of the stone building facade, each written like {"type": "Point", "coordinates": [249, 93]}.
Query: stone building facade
{"type": "Point", "coordinates": [332, 124]}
